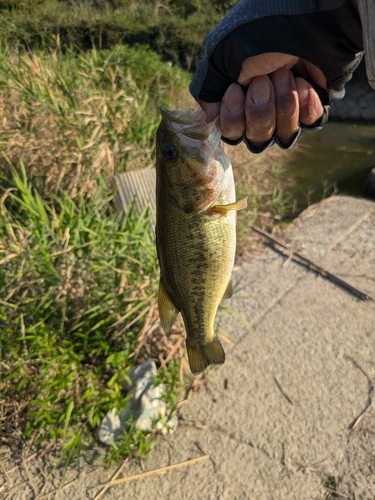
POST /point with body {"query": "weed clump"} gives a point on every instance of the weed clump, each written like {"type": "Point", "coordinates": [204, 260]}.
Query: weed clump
{"type": "Point", "coordinates": [72, 116]}
{"type": "Point", "coordinates": [76, 288]}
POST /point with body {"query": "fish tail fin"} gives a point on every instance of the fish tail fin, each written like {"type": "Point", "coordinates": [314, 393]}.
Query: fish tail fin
{"type": "Point", "coordinates": [202, 356]}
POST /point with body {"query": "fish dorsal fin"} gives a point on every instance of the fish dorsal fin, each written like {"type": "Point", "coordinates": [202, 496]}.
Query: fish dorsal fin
{"type": "Point", "coordinates": [167, 310]}
{"type": "Point", "coordinates": [229, 290]}
{"type": "Point", "coordinates": [237, 205]}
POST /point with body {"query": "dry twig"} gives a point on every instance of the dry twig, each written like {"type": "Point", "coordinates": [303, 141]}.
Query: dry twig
{"type": "Point", "coordinates": [157, 471]}
{"type": "Point", "coordinates": [46, 495]}
{"type": "Point", "coordinates": [7, 477]}
{"type": "Point", "coordinates": [333, 492]}
{"type": "Point", "coordinates": [314, 267]}
{"type": "Point", "coordinates": [108, 485]}
{"type": "Point", "coordinates": [290, 401]}
{"type": "Point", "coordinates": [370, 396]}
{"type": "Point", "coordinates": [29, 476]}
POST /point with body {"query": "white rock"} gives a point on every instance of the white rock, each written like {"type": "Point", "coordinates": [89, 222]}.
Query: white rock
{"type": "Point", "coordinates": [146, 404]}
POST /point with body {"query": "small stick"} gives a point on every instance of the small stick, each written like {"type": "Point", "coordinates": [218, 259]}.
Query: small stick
{"type": "Point", "coordinates": [9, 471]}
{"type": "Point", "coordinates": [200, 448]}
{"type": "Point", "coordinates": [16, 487]}
{"type": "Point", "coordinates": [314, 267]}
{"type": "Point", "coordinates": [7, 477]}
{"type": "Point", "coordinates": [334, 492]}
{"type": "Point", "coordinates": [22, 324]}
{"type": "Point", "coordinates": [29, 476]}
{"type": "Point", "coordinates": [351, 230]}
{"type": "Point", "coordinates": [67, 485]}
{"type": "Point", "coordinates": [185, 368]}
{"type": "Point", "coordinates": [370, 396]}
{"type": "Point", "coordinates": [224, 339]}
{"type": "Point", "coordinates": [162, 362]}
{"type": "Point", "coordinates": [7, 304]}
{"type": "Point", "coordinates": [46, 478]}
{"type": "Point", "coordinates": [174, 349]}
{"type": "Point", "coordinates": [184, 401]}
{"type": "Point", "coordinates": [290, 401]}
{"type": "Point", "coordinates": [131, 323]}
{"type": "Point", "coordinates": [101, 493]}
{"type": "Point", "coordinates": [158, 471]}
{"type": "Point", "coordinates": [146, 330]}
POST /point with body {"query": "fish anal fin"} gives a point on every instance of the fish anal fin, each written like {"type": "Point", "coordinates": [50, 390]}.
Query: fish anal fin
{"type": "Point", "coordinates": [200, 356]}
{"type": "Point", "coordinates": [229, 290]}
{"type": "Point", "coordinates": [237, 205]}
{"type": "Point", "coordinates": [167, 310]}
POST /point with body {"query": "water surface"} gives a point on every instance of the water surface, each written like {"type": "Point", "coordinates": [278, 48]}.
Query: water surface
{"type": "Point", "coordinates": [335, 159]}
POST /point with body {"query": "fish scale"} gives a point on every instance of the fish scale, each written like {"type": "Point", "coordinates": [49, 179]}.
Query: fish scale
{"type": "Point", "coordinates": [196, 269]}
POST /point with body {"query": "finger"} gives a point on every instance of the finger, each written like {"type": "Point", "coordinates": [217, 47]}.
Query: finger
{"type": "Point", "coordinates": [287, 105]}
{"type": "Point", "coordinates": [212, 109]}
{"type": "Point", "coordinates": [264, 64]}
{"type": "Point", "coordinates": [316, 74]}
{"type": "Point", "coordinates": [260, 111]}
{"type": "Point", "coordinates": [310, 107]}
{"type": "Point", "coordinates": [232, 113]}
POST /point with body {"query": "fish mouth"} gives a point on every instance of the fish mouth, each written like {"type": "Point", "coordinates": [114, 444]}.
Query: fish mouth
{"type": "Point", "coordinates": [192, 124]}
{"type": "Point", "coordinates": [184, 117]}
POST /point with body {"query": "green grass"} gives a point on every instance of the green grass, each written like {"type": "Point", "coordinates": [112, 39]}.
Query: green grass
{"type": "Point", "coordinates": [75, 287]}
{"type": "Point", "coordinates": [174, 28]}
{"type": "Point", "coordinates": [268, 202]}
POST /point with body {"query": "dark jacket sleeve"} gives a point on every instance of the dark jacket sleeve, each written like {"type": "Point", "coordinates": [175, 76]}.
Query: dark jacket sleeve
{"type": "Point", "coordinates": [329, 39]}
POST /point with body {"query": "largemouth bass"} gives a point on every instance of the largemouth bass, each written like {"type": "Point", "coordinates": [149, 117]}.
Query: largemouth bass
{"type": "Point", "coordinates": [195, 229]}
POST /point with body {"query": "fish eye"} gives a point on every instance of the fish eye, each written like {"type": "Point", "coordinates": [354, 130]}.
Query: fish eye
{"type": "Point", "coordinates": [169, 152]}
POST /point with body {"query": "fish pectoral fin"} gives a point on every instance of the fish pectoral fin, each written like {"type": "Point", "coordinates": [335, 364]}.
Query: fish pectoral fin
{"type": "Point", "coordinates": [229, 290]}
{"type": "Point", "coordinates": [167, 310]}
{"type": "Point", "coordinates": [201, 356]}
{"type": "Point", "coordinates": [237, 205]}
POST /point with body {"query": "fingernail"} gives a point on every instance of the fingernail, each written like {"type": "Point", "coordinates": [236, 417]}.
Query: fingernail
{"type": "Point", "coordinates": [283, 82]}
{"type": "Point", "coordinates": [233, 99]}
{"type": "Point", "coordinates": [260, 91]}
{"type": "Point", "coordinates": [303, 90]}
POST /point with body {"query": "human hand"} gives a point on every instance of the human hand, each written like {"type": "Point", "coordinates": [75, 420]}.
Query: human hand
{"type": "Point", "coordinates": [276, 101]}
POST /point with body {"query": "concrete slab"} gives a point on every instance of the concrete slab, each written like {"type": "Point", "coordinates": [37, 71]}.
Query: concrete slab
{"type": "Point", "coordinates": [290, 414]}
